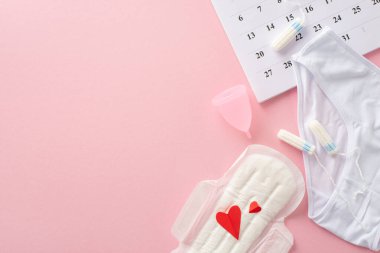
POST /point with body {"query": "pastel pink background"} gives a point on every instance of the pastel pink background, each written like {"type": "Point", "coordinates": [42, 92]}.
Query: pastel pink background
{"type": "Point", "coordinates": [106, 124]}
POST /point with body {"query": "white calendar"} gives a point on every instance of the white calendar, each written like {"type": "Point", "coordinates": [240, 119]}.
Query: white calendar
{"type": "Point", "coordinates": [251, 26]}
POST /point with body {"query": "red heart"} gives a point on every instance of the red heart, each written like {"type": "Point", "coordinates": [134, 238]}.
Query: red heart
{"type": "Point", "coordinates": [230, 221]}
{"type": "Point", "coordinates": [254, 207]}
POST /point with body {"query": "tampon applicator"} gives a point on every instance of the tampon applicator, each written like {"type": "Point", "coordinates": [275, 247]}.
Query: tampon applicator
{"type": "Point", "coordinates": [296, 141]}
{"type": "Point", "coordinates": [322, 136]}
{"type": "Point", "coordinates": [288, 34]}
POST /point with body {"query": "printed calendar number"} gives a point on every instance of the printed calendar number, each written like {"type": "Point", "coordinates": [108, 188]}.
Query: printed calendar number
{"type": "Point", "coordinates": [337, 19]}
{"type": "Point", "coordinates": [317, 28]}
{"type": "Point", "coordinates": [268, 73]}
{"type": "Point", "coordinates": [288, 64]}
{"type": "Point", "coordinates": [251, 35]}
{"type": "Point", "coordinates": [299, 36]}
{"type": "Point", "coordinates": [375, 2]}
{"type": "Point", "coordinates": [328, 1]}
{"type": "Point", "coordinates": [346, 37]}
{"type": "Point", "coordinates": [356, 9]}
{"type": "Point", "coordinates": [259, 54]}
{"type": "Point", "coordinates": [241, 18]}
{"type": "Point", "coordinates": [259, 8]}
{"type": "Point", "coordinates": [270, 26]}
{"type": "Point", "coordinates": [309, 9]}
{"type": "Point", "coordinates": [290, 18]}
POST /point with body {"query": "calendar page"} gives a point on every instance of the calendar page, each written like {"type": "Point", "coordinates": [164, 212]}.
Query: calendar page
{"type": "Point", "coordinates": [252, 25]}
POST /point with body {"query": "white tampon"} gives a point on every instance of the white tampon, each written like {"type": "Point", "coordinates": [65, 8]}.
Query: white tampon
{"type": "Point", "coordinates": [322, 136]}
{"type": "Point", "coordinates": [296, 141]}
{"type": "Point", "coordinates": [288, 34]}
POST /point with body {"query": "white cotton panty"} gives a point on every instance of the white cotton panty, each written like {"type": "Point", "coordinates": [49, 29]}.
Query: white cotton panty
{"type": "Point", "coordinates": [260, 174]}
{"type": "Point", "coordinates": [341, 89]}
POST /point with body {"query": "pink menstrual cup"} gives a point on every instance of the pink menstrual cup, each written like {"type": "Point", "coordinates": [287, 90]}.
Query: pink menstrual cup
{"type": "Point", "coordinates": [233, 104]}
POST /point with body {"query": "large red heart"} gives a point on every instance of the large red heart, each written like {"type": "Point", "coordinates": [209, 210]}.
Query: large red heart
{"type": "Point", "coordinates": [230, 221]}
{"type": "Point", "coordinates": [254, 207]}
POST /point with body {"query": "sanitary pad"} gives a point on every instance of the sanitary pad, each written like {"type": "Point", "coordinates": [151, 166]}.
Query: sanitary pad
{"type": "Point", "coordinates": [254, 196]}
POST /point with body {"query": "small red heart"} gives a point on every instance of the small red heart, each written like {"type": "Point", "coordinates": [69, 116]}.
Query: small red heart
{"type": "Point", "coordinates": [254, 207]}
{"type": "Point", "coordinates": [230, 221]}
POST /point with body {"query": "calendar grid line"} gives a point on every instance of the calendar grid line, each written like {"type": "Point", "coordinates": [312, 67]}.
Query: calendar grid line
{"type": "Point", "coordinates": [366, 22]}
